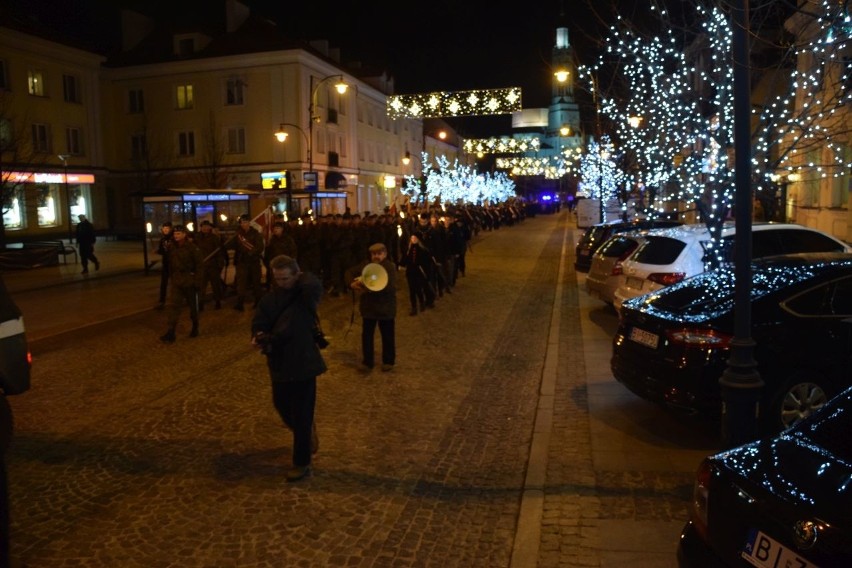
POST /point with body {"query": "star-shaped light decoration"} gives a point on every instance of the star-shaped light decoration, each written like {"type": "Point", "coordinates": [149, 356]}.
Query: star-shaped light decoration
{"type": "Point", "coordinates": [455, 103]}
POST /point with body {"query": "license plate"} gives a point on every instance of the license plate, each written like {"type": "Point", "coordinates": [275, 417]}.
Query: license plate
{"type": "Point", "coordinates": [763, 551]}
{"type": "Point", "coordinates": [643, 337]}
{"type": "Point", "coordinates": [636, 283]}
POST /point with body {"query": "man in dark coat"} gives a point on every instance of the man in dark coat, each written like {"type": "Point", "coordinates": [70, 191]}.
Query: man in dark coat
{"type": "Point", "coordinates": [279, 243]}
{"type": "Point", "coordinates": [284, 328]}
{"type": "Point", "coordinates": [377, 307]}
{"type": "Point", "coordinates": [248, 254]}
{"type": "Point", "coordinates": [186, 274]}
{"type": "Point", "coordinates": [163, 248]}
{"type": "Point", "coordinates": [209, 242]}
{"type": "Point", "coordinates": [86, 239]}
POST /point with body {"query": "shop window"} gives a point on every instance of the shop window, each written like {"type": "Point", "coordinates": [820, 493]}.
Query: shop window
{"type": "Point", "coordinates": [80, 197]}
{"type": "Point", "coordinates": [184, 97]}
{"type": "Point", "coordinates": [14, 209]}
{"type": "Point", "coordinates": [186, 144]}
{"type": "Point", "coordinates": [35, 83]}
{"type": "Point", "coordinates": [138, 146]}
{"type": "Point", "coordinates": [41, 138]}
{"type": "Point", "coordinates": [74, 141]}
{"type": "Point", "coordinates": [135, 101]}
{"type": "Point", "coordinates": [48, 205]}
{"type": "Point", "coordinates": [71, 89]}
{"type": "Point", "coordinates": [236, 141]}
{"type": "Point", "coordinates": [234, 92]}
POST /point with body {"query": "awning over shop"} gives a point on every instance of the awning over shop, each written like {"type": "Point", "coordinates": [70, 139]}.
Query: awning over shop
{"type": "Point", "coordinates": [335, 180]}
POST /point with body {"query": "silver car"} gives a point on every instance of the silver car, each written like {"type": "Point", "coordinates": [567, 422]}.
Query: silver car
{"type": "Point", "coordinates": [605, 273]}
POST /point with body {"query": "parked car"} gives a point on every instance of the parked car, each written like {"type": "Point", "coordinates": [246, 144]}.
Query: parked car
{"type": "Point", "coordinates": [672, 346]}
{"type": "Point", "coordinates": [15, 361]}
{"type": "Point", "coordinates": [596, 235]}
{"type": "Point", "coordinates": [669, 255]}
{"type": "Point", "coordinates": [781, 501]}
{"type": "Point", "coordinates": [606, 273]}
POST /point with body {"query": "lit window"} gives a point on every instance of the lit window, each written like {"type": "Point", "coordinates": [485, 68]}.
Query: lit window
{"type": "Point", "coordinates": [184, 96]}
{"type": "Point", "coordinates": [35, 83]}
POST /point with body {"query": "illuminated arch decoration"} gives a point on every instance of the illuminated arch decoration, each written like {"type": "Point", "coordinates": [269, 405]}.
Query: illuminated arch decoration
{"type": "Point", "coordinates": [502, 145]}
{"type": "Point", "coordinates": [455, 103]}
{"type": "Point", "coordinates": [551, 167]}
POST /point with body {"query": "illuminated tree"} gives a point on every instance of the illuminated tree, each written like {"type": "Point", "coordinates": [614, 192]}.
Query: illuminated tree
{"type": "Point", "coordinates": [459, 184]}
{"type": "Point", "coordinates": [600, 177]}
{"type": "Point", "coordinates": [680, 82]}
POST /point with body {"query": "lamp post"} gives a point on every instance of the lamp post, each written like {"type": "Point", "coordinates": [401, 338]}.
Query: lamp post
{"type": "Point", "coordinates": [313, 117]}
{"type": "Point", "coordinates": [64, 158]}
{"type": "Point", "coordinates": [281, 136]}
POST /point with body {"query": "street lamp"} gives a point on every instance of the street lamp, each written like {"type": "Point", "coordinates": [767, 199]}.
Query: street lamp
{"type": "Point", "coordinates": [281, 136]}
{"type": "Point", "coordinates": [341, 87]}
{"type": "Point", "coordinates": [64, 158]}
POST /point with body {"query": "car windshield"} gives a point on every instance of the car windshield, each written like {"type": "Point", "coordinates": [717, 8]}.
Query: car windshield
{"type": "Point", "coordinates": [711, 294]}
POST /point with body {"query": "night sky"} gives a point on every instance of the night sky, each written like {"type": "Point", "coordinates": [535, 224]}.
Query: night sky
{"type": "Point", "coordinates": [438, 45]}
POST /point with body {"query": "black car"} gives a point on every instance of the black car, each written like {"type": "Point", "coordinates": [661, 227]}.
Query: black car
{"type": "Point", "coordinates": [671, 346]}
{"type": "Point", "coordinates": [782, 501]}
{"type": "Point", "coordinates": [596, 235]}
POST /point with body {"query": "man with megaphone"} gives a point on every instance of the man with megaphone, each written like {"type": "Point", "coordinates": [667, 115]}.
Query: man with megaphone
{"type": "Point", "coordinates": [375, 281]}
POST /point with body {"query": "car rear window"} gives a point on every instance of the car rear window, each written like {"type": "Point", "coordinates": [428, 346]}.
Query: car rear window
{"type": "Point", "coordinates": [618, 246]}
{"type": "Point", "coordinates": [659, 250]}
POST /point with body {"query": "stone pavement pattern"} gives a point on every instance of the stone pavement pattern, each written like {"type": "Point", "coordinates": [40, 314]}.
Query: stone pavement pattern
{"type": "Point", "coordinates": [132, 453]}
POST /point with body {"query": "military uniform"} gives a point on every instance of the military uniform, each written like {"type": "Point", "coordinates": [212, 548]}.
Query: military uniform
{"type": "Point", "coordinates": [215, 259]}
{"type": "Point", "coordinates": [248, 253]}
{"type": "Point", "coordinates": [186, 275]}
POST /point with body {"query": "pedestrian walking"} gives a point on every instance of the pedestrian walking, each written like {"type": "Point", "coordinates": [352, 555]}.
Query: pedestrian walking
{"type": "Point", "coordinates": [248, 254]}
{"type": "Point", "coordinates": [186, 274]}
{"type": "Point", "coordinates": [279, 243]}
{"type": "Point", "coordinates": [163, 248]}
{"type": "Point", "coordinates": [418, 262]}
{"type": "Point", "coordinates": [86, 239]}
{"type": "Point", "coordinates": [285, 328]}
{"type": "Point", "coordinates": [209, 242]}
{"type": "Point", "coordinates": [377, 308]}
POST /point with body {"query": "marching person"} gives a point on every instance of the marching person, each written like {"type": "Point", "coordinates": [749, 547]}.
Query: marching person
{"type": "Point", "coordinates": [279, 243]}
{"type": "Point", "coordinates": [163, 248]}
{"type": "Point", "coordinates": [284, 328]}
{"type": "Point", "coordinates": [209, 242]}
{"type": "Point", "coordinates": [248, 253]}
{"type": "Point", "coordinates": [418, 262]}
{"type": "Point", "coordinates": [377, 308]}
{"type": "Point", "coordinates": [86, 243]}
{"type": "Point", "coordinates": [186, 274]}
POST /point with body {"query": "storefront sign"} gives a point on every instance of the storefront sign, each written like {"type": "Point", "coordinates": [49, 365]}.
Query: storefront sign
{"type": "Point", "coordinates": [43, 177]}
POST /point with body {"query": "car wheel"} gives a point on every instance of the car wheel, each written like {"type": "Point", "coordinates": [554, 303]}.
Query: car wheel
{"type": "Point", "coordinates": [800, 397]}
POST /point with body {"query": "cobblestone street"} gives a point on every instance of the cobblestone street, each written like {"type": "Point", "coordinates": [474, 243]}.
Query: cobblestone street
{"type": "Point", "coordinates": [132, 453]}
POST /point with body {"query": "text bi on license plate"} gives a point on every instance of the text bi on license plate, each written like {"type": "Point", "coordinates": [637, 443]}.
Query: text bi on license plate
{"type": "Point", "coordinates": [763, 551]}
{"type": "Point", "coordinates": [643, 337]}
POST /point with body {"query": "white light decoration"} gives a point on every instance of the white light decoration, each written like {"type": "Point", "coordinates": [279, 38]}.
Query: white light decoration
{"type": "Point", "coordinates": [600, 177]}
{"type": "Point", "coordinates": [683, 143]}
{"type": "Point", "coordinates": [501, 145]}
{"type": "Point", "coordinates": [459, 184]}
{"type": "Point", "coordinates": [455, 103]}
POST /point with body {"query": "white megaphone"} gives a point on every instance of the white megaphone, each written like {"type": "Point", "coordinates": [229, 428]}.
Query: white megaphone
{"type": "Point", "coordinates": [374, 277]}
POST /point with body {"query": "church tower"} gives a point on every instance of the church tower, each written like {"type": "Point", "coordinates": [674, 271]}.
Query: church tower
{"type": "Point", "coordinates": [563, 110]}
